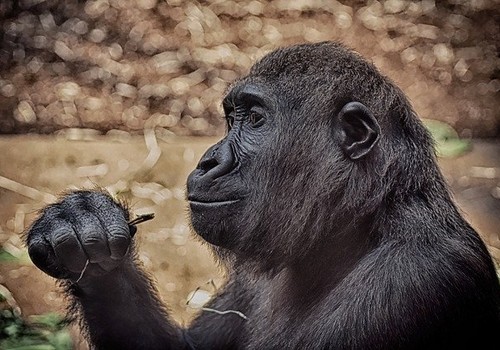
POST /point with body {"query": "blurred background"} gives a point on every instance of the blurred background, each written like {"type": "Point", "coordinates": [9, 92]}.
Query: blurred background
{"type": "Point", "coordinates": [126, 95]}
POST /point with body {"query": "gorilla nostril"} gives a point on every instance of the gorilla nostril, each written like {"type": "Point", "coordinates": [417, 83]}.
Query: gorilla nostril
{"type": "Point", "coordinates": [208, 164]}
{"type": "Point", "coordinates": [217, 162]}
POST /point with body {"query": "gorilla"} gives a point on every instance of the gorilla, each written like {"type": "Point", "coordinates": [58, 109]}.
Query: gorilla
{"type": "Point", "coordinates": [324, 201]}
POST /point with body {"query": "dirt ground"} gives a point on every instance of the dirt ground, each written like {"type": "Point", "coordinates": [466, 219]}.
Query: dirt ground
{"type": "Point", "coordinates": [150, 173]}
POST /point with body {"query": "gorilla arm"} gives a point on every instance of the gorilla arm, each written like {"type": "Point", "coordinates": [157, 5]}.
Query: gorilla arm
{"type": "Point", "coordinates": [122, 311]}
{"type": "Point", "coordinates": [84, 240]}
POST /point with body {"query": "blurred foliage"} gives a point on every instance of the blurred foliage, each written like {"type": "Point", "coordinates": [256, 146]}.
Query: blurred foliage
{"type": "Point", "coordinates": [18, 255]}
{"type": "Point", "coordinates": [447, 141]}
{"type": "Point", "coordinates": [42, 332]}
{"type": "Point", "coordinates": [5, 256]}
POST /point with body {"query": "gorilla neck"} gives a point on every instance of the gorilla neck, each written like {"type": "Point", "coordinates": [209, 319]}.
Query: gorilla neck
{"type": "Point", "coordinates": [336, 252]}
{"type": "Point", "coordinates": [326, 265]}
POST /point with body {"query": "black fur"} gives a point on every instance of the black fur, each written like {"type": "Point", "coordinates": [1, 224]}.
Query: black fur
{"type": "Point", "coordinates": [325, 201]}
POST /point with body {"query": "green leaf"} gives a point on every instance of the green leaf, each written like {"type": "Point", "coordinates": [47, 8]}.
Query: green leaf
{"type": "Point", "coordinates": [6, 256]}
{"type": "Point", "coordinates": [44, 332]}
{"type": "Point", "coordinates": [446, 139]}
{"type": "Point", "coordinates": [61, 340]}
{"type": "Point", "coordinates": [31, 347]}
{"type": "Point", "coordinates": [452, 148]}
{"type": "Point", "coordinates": [49, 320]}
{"type": "Point", "coordinates": [12, 330]}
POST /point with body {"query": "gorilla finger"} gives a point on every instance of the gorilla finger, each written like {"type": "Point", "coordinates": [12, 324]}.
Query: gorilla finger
{"type": "Point", "coordinates": [118, 241]}
{"type": "Point", "coordinates": [67, 247]}
{"type": "Point", "coordinates": [42, 255]}
{"type": "Point", "coordinates": [92, 237]}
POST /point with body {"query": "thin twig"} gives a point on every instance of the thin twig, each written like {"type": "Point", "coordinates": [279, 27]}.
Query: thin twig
{"type": "Point", "coordinates": [83, 271]}
{"type": "Point", "coordinates": [225, 312]}
{"type": "Point", "coordinates": [141, 218]}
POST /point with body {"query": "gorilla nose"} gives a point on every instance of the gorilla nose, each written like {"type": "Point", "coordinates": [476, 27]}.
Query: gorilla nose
{"type": "Point", "coordinates": [217, 161]}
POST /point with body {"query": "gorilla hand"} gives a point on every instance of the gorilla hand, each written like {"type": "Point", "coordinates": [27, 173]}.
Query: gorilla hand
{"type": "Point", "coordinates": [84, 235]}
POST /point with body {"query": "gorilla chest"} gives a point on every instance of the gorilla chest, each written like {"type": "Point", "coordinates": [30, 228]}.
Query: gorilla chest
{"type": "Point", "coordinates": [277, 322]}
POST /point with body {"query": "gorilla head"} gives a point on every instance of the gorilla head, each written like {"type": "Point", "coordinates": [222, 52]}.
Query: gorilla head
{"type": "Point", "coordinates": [316, 138]}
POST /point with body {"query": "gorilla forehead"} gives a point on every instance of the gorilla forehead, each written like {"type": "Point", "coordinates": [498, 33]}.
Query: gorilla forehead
{"type": "Point", "coordinates": [319, 71]}
{"type": "Point", "coordinates": [325, 59]}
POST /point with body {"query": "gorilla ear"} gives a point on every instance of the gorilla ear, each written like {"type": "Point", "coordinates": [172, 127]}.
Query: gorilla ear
{"type": "Point", "coordinates": [359, 130]}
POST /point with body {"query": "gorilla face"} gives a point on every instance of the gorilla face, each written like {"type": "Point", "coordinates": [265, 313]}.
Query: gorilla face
{"type": "Point", "coordinates": [284, 165]}
{"type": "Point", "coordinates": [220, 189]}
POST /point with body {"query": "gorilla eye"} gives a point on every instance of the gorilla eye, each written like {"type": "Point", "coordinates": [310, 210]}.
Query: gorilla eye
{"type": "Point", "coordinates": [256, 119]}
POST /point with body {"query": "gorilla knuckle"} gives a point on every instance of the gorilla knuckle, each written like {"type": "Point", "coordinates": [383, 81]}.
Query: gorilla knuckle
{"type": "Point", "coordinates": [118, 231]}
{"type": "Point", "coordinates": [61, 235]}
{"type": "Point", "coordinates": [119, 240]}
{"type": "Point", "coordinates": [92, 239]}
{"type": "Point", "coordinates": [119, 247]}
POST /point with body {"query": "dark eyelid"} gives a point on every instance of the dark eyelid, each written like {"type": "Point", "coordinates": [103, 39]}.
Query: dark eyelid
{"type": "Point", "coordinates": [252, 95]}
{"type": "Point", "coordinates": [246, 95]}
{"type": "Point", "coordinates": [251, 100]}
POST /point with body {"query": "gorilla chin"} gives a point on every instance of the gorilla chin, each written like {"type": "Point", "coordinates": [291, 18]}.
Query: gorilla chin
{"type": "Point", "coordinates": [212, 220]}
